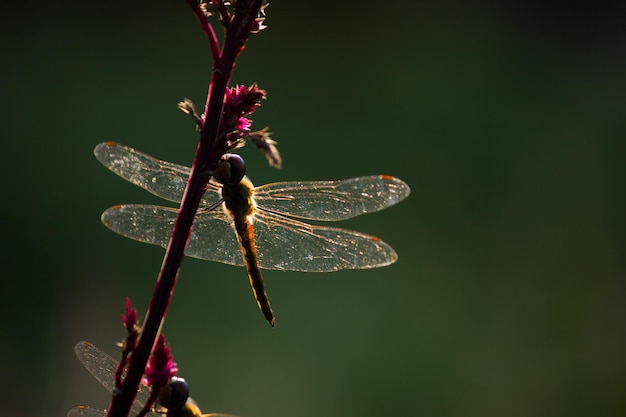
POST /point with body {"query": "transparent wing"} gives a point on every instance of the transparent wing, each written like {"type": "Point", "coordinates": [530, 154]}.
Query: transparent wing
{"type": "Point", "coordinates": [161, 178]}
{"type": "Point", "coordinates": [218, 415]}
{"type": "Point", "coordinates": [282, 243]}
{"type": "Point", "coordinates": [86, 411]}
{"type": "Point", "coordinates": [213, 238]}
{"type": "Point", "coordinates": [290, 245]}
{"type": "Point", "coordinates": [331, 200]}
{"type": "Point", "coordinates": [315, 200]}
{"type": "Point", "coordinates": [103, 367]}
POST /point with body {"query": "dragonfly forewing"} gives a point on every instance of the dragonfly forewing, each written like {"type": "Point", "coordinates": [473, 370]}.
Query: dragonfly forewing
{"type": "Point", "coordinates": [312, 200]}
{"type": "Point", "coordinates": [161, 178]}
{"type": "Point", "coordinates": [331, 200]}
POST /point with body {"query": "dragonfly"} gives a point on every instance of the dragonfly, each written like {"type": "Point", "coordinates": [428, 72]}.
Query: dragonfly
{"type": "Point", "coordinates": [103, 367]}
{"type": "Point", "coordinates": [256, 227]}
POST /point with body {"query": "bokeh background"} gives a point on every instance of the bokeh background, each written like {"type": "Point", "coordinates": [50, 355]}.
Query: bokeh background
{"type": "Point", "coordinates": [507, 121]}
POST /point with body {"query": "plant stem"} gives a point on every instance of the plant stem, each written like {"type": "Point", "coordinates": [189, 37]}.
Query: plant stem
{"type": "Point", "coordinates": [206, 28]}
{"type": "Point", "coordinates": [210, 148]}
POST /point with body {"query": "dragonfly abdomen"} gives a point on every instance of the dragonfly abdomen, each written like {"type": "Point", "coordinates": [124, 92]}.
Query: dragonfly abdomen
{"type": "Point", "coordinates": [245, 233]}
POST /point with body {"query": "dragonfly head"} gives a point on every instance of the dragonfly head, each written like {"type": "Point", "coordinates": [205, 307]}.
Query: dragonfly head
{"type": "Point", "coordinates": [230, 169]}
{"type": "Point", "coordinates": [173, 396]}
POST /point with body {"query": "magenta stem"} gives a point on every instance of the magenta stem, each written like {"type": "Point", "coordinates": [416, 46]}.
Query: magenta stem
{"type": "Point", "coordinates": [210, 148]}
{"type": "Point", "coordinates": [206, 28]}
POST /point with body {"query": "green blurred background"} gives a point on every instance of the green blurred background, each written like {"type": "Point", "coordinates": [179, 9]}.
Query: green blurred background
{"type": "Point", "coordinates": [507, 122]}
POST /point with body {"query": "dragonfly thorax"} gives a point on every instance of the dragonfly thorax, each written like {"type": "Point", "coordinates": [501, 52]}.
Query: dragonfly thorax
{"type": "Point", "coordinates": [238, 198]}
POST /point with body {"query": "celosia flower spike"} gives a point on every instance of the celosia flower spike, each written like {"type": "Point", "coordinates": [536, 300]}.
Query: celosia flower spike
{"type": "Point", "coordinates": [130, 318]}
{"type": "Point", "coordinates": [160, 367]}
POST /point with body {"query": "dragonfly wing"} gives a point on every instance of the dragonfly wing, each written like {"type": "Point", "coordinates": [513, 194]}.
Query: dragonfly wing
{"type": "Point", "coordinates": [331, 200]}
{"type": "Point", "coordinates": [290, 245]}
{"type": "Point", "coordinates": [282, 243]}
{"type": "Point", "coordinates": [218, 415]}
{"type": "Point", "coordinates": [103, 368]}
{"type": "Point", "coordinates": [161, 178]}
{"type": "Point", "coordinates": [86, 411]}
{"type": "Point", "coordinates": [213, 238]}
{"type": "Point", "coordinates": [98, 363]}
{"type": "Point", "coordinates": [144, 223]}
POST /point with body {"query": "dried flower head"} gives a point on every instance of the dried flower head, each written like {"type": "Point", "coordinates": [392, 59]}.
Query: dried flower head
{"type": "Point", "coordinates": [259, 25]}
{"type": "Point", "coordinates": [209, 8]}
{"type": "Point", "coordinates": [267, 145]}
{"type": "Point", "coordinates": [227, 9]}
{"type": "Point", "coordinates": [187, 107]}
{"type": "Point", "coordinates": [259, 22]}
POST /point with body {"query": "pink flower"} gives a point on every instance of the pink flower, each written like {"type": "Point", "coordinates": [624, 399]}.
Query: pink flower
{"type": "Point", "coordinates": [240, 101]}
{"type": "Point", "coordinates": [130, 317]}
{"type": "Point", "coordinates": [160, 367]}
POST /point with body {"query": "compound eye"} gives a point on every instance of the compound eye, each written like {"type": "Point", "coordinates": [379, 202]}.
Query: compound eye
{"type": "Point", "coordinates": [174, 395]}
{"type": "Point", "coordinates": [230, 169]}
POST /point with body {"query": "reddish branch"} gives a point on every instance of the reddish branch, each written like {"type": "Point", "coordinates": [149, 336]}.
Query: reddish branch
{"type": "Point", "coordinates": [210, 149]}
